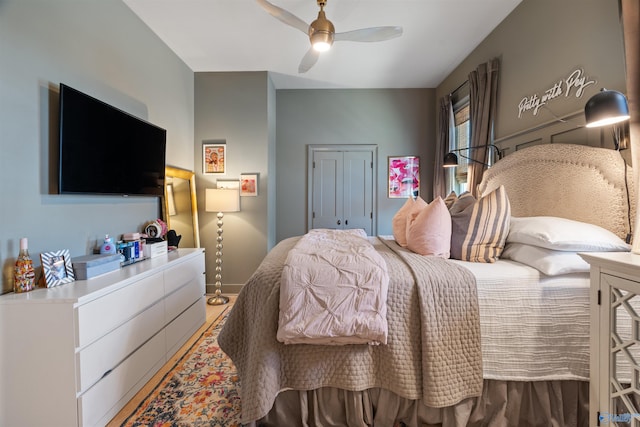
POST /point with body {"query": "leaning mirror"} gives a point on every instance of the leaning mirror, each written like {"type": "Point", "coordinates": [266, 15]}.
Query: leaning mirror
{"type": "Point", "coordinates": [181, 207]}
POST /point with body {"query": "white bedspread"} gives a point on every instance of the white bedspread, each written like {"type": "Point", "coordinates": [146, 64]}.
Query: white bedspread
{"type": "Point", "coordinates": [333, 291]}
{"type": "Point", "coordinates": [534, 327]}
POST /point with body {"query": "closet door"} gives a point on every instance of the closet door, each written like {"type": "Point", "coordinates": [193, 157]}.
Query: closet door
{"type": "Point", "coordinates": [327, 194]}
{"type": "Point", "coordinates": [342, 187]}
{"type": "Point", "coordinates": [358, 190]}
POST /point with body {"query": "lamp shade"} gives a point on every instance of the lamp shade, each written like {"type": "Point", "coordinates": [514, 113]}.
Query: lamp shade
{"type": "Point", "coordinates": [222, 200]}
{"type": "Point", "coordinates": [605, 108]}
{"type": "Point", "coordinates": [450, 160]}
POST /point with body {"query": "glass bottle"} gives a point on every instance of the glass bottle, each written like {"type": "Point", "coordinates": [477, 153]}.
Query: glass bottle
{"type": "Point", "coordinates": [24, 279]}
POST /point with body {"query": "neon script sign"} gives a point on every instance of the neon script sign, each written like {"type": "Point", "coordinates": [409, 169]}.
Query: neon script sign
{"type": "Point", "coordinates": [574, 84]}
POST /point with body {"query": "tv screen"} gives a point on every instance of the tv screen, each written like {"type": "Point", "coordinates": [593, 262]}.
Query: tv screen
{"type": "Point", "coordinates": [104, 150]}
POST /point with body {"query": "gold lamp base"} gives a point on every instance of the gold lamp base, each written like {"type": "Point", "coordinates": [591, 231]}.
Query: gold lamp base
{"type": "Point", "coordinates": [221, 200]}
{"type": "Point", "coordinates": [218, 300]}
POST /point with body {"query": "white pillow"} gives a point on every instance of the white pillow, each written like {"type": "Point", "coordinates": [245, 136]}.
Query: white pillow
{"type": "Point", "coordinates": [545, 260]}
{"type": "Point", "coordinates": [563, 234]}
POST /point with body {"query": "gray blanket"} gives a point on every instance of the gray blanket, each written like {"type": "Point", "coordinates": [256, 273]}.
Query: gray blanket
{"type": "Point", "coordinates": [433, 349]}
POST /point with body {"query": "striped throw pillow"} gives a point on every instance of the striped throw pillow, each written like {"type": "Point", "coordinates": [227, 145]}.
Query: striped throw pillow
{"type": "Point", "coordinates": [479, 228]}
{"type": "Point", "coordinates": [450, 199]}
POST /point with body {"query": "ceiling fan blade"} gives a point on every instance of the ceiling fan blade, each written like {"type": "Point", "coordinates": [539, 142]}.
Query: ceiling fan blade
{"type": "Point", "coordinates": [308, 60]}
{"type": "Point", "coordinates": [284, 16]}
{"type": "Point", "coordinates": [373, 34]}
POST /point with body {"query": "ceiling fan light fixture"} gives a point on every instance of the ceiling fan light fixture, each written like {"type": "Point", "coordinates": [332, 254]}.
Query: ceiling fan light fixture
{"type": "Point", "coordinates": [321, 33]}
{"type": "Point", "coordinates": [321, 41]}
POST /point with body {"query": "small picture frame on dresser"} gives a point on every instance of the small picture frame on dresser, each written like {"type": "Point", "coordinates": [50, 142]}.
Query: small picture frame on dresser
{"type": "Point", "coordinates": [57, 268]}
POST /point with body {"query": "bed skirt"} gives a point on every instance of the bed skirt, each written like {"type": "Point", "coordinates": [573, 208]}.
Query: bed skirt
{"type": "Point", "coordinates": [503, 403]}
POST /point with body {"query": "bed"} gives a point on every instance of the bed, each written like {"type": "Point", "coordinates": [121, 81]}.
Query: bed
{"type": "Point", "coordinates": [516, 351]}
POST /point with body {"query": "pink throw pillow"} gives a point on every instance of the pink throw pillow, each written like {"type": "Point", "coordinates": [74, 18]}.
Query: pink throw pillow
{"type": "Point", "coordinates": [399, 220]}
{"type": "Point", "coordinates": [430, 231]}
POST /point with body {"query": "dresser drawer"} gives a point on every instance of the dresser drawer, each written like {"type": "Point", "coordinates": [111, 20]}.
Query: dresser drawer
{"type": "Point", "coordinates": [98, 317]}
{"type": "Point", "coordinates": [184, 326]}
{"type": "Point", "coordinates": [93, 361]}
{"type": "Point", "coordinates": [178, 301]}
{"type": "Point", "coordinates": [102, 401]}
{"type": "Point", "coordinates": [182, 273]}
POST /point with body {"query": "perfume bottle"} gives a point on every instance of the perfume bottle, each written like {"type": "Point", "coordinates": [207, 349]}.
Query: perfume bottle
{"type": "Point", "coordinates": [24, 278]}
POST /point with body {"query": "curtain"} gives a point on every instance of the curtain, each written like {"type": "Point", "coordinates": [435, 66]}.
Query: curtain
{"type": "Point", "coordinates": [483, 98]}
{"type": "Point", "coordinates": [630, 17]}
{"type": "Point", "coordinates": [442, 147]}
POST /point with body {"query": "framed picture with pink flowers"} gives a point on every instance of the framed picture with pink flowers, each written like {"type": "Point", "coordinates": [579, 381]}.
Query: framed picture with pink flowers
{"type": "Point", "coordinates": [214, 158]}
{"type": "Point", "coordinates": [404, 177]}
{"type": "Point", "coordinates": [249, 184]}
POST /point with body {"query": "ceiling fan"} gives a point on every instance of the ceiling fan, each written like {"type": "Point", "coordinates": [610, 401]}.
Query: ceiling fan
{"type": "Point", "coordinates": [322, 33]}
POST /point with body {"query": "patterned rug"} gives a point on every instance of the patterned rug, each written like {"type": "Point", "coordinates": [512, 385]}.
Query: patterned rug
{"type": "Point", "coordinates": [200, 390]}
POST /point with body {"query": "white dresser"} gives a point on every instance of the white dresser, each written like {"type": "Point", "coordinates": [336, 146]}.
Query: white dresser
{"type": "Point", "coordinates": [615, 338]}
{"type": "Point", "coordinates": [75, 354]}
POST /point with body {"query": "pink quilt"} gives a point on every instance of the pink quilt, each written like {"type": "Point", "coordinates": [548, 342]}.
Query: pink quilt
{"type": "Point", "coordinates": [333, 291]}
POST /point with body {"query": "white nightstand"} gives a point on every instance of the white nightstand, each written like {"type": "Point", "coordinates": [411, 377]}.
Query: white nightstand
{"type": "Point", "coordinates": [615, 338]}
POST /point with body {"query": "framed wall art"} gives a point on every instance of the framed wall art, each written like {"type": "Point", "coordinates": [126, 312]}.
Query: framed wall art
{"type": "Point", "coordinates": [214, 158]}
{"type": "Point", "coordinates": [248, 184]}
{"type": "Point", "coordinates": [57, 268]}
{"type": "Point", "coordinates": [404, 176]}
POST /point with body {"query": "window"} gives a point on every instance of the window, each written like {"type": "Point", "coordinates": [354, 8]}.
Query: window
{"type": "Point", "coordinates": [461, 136]}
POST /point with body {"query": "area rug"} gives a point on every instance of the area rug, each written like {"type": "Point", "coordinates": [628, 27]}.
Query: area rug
{"type": "Point", "coordinates": [200, 390]}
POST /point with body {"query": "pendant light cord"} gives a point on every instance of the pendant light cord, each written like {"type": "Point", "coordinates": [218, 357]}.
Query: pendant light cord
{"type": "Point", "coordinates": [626, 186]}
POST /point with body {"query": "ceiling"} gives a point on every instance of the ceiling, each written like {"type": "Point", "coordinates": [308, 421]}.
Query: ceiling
{"type": "Point", "coordinates": [238, 35]}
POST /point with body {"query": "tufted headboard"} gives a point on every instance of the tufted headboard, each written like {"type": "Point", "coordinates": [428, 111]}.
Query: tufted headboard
{"type": "Point", "coordinates": [565, 180]}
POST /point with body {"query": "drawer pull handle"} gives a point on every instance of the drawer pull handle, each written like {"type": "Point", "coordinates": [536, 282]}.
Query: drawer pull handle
{"type": "Point", "coordinates": [106, 373]}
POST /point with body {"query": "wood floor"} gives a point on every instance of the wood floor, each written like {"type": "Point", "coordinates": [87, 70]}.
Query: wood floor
{"type": "Point", "coordinates": [212, 312]}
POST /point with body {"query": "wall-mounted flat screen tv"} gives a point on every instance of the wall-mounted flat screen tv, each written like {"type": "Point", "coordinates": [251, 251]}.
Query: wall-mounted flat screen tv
{"type": "Point", "coordinates": [104, 150]}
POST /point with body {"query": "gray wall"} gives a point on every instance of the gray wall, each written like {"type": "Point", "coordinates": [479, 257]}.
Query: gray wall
{"type": "Point", "coordinates": [102, 48]}
{"type": "Point", "coordinates": [99, 47]}
{"type": "Point", "coordinates": [267, 131]}
{"type": "Point", "coordinates": [399, 121]}
{"type": "Point", "coordinates": [237, 108]}
{"type": "Point", "coordinates": [540, 43]}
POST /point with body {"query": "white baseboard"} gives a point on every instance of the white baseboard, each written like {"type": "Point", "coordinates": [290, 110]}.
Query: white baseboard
{"type": "Point", "coordinates": [226, 289]}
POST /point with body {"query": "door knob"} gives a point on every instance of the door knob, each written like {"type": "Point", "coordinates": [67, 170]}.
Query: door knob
{"type": "Point", "coordinates": [339, 222]}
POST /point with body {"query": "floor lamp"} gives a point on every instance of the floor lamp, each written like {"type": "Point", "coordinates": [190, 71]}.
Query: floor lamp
{"type": "Point", "coordinates": [221, 200]}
